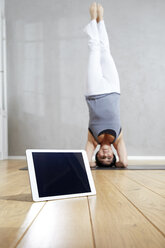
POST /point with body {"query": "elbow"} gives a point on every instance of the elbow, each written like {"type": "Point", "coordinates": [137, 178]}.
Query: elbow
{"type": "Point", "coordinates": [125, 165]}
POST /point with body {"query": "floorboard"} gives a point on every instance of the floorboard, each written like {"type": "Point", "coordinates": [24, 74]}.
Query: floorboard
{"type": "Point", "coordinates": [151, 183]}
{"type": "Point", "coordinates": [116, 221]}
{"type": "Point", "coordinates": [158, 175]}
{"type": "Point", "coordinates": [15, 218]}
{"type": "Point", "coordinates": [61, 223]}
{"type": "Point", "coordinates": [17, 210]}
{"type": "Point", "coordinates": [148, 202]}
{"type": "Point", "coordinates": [128, 211]}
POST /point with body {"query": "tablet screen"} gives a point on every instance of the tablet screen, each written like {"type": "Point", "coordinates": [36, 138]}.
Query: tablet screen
{"type": "Point", "coordinates": [60, 173]}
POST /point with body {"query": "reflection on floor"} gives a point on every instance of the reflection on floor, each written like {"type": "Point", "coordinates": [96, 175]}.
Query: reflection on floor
{"type": "Point", "coordinates": [128, 211]}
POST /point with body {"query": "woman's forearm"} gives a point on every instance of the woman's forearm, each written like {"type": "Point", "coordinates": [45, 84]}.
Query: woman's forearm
{"type": "Point", "coordinates": [121, 152]}
{"type": "Point", "coordinates": [89, 150]}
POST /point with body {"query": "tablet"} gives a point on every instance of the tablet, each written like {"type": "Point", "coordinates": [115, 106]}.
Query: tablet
{"type": "Point", "coordinates": [57, 174]}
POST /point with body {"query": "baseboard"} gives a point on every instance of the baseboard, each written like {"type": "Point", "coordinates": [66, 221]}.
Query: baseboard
{"type": "Point", "coordinates": [144, 160]}
{"type": "Point", "coordinates": [132, 160]}
{"type": "Point", "coordinates": [17, 157]}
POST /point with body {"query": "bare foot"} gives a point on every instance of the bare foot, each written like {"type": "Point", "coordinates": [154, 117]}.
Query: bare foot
{"type": "Point", "coordinates": [100, 12]}
{"type": "Point", "coordinates": [93, 11]}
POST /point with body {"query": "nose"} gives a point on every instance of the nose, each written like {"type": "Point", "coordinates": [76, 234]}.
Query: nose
{"type": "Point", "coordinates": [105, 152]}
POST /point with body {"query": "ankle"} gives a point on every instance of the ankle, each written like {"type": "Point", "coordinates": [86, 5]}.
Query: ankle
{"type": "Point", "coordinates": [99, 19]}
{"type": "Point", "coordinates": [93, 18]}
{"type": "Point", "coordinates": [93, 11]}
{"type": "Point", "coordinates": [100, 12]}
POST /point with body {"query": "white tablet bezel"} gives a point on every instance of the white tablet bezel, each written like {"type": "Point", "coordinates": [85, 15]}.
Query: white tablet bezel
{"type": "Point", "coordinates": [32, 175]}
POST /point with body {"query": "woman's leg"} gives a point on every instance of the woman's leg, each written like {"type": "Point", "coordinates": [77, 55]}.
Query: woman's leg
{"type": "Point", "coordinates": [102, 76]}
{"type": "Point", "coordinates": [94, 72]}
{"type": "Point", "coordinates": [109, 70]}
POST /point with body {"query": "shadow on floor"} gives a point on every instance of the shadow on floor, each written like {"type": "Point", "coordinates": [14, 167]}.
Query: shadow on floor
{"type": "Point", "coordinates": [20, 197]}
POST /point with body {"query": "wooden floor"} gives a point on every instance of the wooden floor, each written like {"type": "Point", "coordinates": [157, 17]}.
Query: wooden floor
{"type": "Point", "coordinates": [128, 211]}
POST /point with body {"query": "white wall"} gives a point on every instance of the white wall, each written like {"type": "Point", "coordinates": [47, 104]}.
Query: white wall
{"type": "Point", "coordinates": [47, 60]}
{"type": "Point", "coordinates": [3, 88]}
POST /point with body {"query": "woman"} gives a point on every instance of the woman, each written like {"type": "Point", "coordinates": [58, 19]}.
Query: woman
{"type": "Point", "coordinates": [103, 96]}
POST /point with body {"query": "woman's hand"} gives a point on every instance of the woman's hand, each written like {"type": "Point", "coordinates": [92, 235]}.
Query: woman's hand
{"type": "Point", "coordinates": [121, 165]}
{"type": "Point", "coordinates": [92, 165]}
{"type": "Point", "coordinates": [120, 147]}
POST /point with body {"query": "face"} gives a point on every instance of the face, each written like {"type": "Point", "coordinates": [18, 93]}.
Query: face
{"type": "Point", "coordinates": [105, 154]}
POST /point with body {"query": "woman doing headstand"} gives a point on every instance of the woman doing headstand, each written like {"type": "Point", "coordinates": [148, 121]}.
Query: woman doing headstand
{"type": "Point", "coordinates": [103, 96]}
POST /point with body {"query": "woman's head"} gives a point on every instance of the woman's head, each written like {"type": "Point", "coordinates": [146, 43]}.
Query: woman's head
{"type": "Point", "coordinates": [105, 156]}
